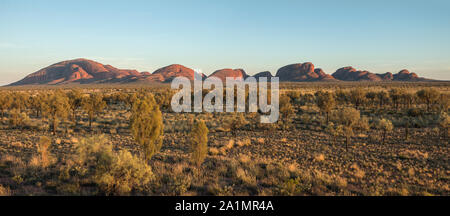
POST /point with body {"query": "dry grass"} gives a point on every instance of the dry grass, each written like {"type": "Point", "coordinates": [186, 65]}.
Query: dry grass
{"type": "Point", "coordinates": [252, 160]}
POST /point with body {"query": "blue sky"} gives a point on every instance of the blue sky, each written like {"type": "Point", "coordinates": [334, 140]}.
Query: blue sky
{"type": "Point", "coordinates": [378, 36]}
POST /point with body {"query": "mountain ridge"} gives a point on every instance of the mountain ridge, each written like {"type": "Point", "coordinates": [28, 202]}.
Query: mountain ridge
{"type": "Point", "coordinates": [85, 71]}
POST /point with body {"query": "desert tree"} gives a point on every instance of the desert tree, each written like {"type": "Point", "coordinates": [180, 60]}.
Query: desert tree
{"type": "Point", "coordinates": [120, 97]}
{"type": "Point", "coordinates": [163, 98]}
{"type": "Point", "coordinates": [146, 123]}
{"type": "Point", "coordinates": [408, 99]}
{"type": "Point", "coordinates": [287, 111]}
{"type": "Point", "coordinates": [396, 95]}
{"type": "Point", "coordinates": [382, 98]}
{"type": "Point", "coordinates": [444, 124]}
{"type": "Point", "coordinates": [44, 156]}
{"type": "Point", "coordinates": [326, 102]}
{"type": "Point", "coordinates": [294, 95]}
{"type": "Point", "coordinates": [93, 105]}
{"type": "Point", "coordinates": [306, 99]}
{"type": "Point", "coordinates": [56, 108]}
{"type": "Point", "coordinates": [348, 117]}
{"type": "Point", "coordinates": [236, 122]}
{"type": "Point", "coordinates": [342, 97]}
{"type": "Point", "coordinates": [429, 96]}
{"type": "Point", "coordinates": [406, 124]}
{"type": "Point", "coordinates": [333, 131]}
{"type": "Point", "coordinates": [362, 125]}
{"type": "Point", "coordinates": [357, 97]}
{"type": "Point", "coordinates": [130, 100]}
{"type": "Point", "coordinates": [75, 102]}
{"type": "Point", "coordinates": [444, 102]}
{"type": "Point", "coordinates": [199, 142]}
{"type": "Point", "coordinates": [19, 101]}
{"type": "Point", "coordinates": [385, 126]}
{"type": "Point", "coordinates": [16, 118]}
{"type": "Point", "coordinates": [371, 97]}
{"type": "Point", "coordinates": [5, 102]}
{"type": "Point", "coordinates": [37, 103]}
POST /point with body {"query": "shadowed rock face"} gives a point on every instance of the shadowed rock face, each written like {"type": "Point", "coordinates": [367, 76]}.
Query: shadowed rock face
{"type": "Point", "coordinates": [266, 74]}
{"type": "Point", "coordinates": [227, 72]}
{"type": "Point", "coordinates": [386, 76]}
{"type": "Point", "coordinates": [405, 75]}
{"type": "Point", "coordinates": [302, 73]}
{"type": "Point", "coordinates": [75, 71]}
{"type": "Point", "coordinates": [351, 74]}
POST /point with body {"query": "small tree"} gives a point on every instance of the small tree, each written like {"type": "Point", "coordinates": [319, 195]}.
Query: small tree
{"type": "Point", "coordinates": [286, 110]}
{"type": "Point", "coordinates": [444, 124]}
{"type": "Point", "coordinates": [386, 126]}
{"type": "Point", "coordinates": [37, 103]}
{"type": "Point", "coordinates": [5, 102]}
{"type": "Point", "coordinates": [93, 105]}
{"type": "Point", "coordinates": [326, 102]}
{"type": "Point", "coordinates": [42, 149]}
{"type": "Point", "coordinates": [332, 131]}
{"type": "Point", "coordinates": [199, 142]}
{"type": "Point", "coordinates": [75, 99]}
{"type": "Point", "coordinates": [146, 125]}
{"type": "Point", "coordinates": [357, 97]}
{"type": "Point", "coordinates": [444, 102]}
{"type": "Point", "coordinates": [383, 98]}
{"type": "Point", "coordinates": [19, 100]}
{"type": "Point", "coordinates": [348, 118]}
{"type": "Point", "coordinates": [16, 118]}
{"type": "Point", "coordinates": [56, 108]}
{"type": "Point", "coordinates": [396, 95]}
{"type": "Point", "coordinates": [429, 96]}
{"type": "Point", "coordinates": [236, 122]}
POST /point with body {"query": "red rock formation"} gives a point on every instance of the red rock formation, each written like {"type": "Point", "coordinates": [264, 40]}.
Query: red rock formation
{"type": "Point", "coordinates": [302, 73]}
{"type": "Point", "coordinates": [266, 74]}
{"type": "Point", "coordinates": [227, 72]}
{"type": "Point", "coordinates": [175, 70]}
{"type": "Point", "coordinates": [75, 71]}
{"type": "Point", "coordinates": [351, 74]}
{"type": "Point", "coordinates": [405, 75]}
{"type": "Point", "coordinates": [88, 71]}
{"type": "Point", "coordinates": [388, 76]}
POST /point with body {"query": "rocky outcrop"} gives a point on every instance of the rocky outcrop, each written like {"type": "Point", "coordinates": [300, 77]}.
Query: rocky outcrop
{"type": "Point", "coordinates": [405, 75]}
{"type": "Point", "coordinates": [351, 74]}
{"type": "Point", "coordinates": [227, 72]}
{"type": "Point", "coordinates": [302, 73]}
{"type": "Point", "coordinates": [84, 71]}
{"type": "Point", "coordinates": [170, 72]}
{"type": "Point", "coordinates": [265, 74]}
{"type": "Point", "coordinates": [75, 71]}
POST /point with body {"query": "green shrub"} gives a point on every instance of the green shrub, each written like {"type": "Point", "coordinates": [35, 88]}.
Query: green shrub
{"type": "Point", "coordinates": [115, 173]}
{"type": "Point", "coordinates": [147, 126]}
{"type": "Point", "coordinates": [199, 142]}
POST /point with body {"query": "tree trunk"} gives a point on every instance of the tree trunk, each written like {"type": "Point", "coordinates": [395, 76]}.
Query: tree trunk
{"type": "Point", "coordinates": [406, 132]}
{"type": "Point", "coordinates": [347, 141]}
{"type": "Point", "coordinates": [54, 127]}
{"type": "Point", "coordinates": [74, 116]}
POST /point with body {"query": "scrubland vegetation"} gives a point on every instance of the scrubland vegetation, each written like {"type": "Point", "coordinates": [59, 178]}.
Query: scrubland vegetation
{"type": "Point", "coordinates": [340, 139]}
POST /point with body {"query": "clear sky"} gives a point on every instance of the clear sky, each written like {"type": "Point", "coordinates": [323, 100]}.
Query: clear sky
{"type": "Point", "coordinates": [255, 35]}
